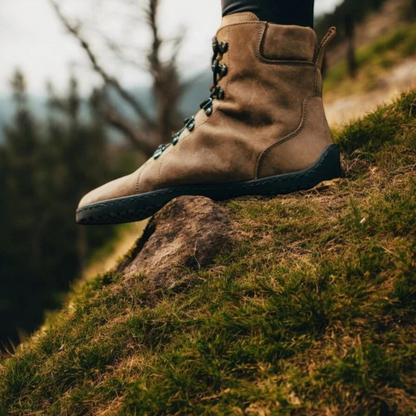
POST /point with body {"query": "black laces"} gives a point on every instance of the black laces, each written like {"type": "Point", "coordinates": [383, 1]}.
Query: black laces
{"type": "Point", "coordinates": [219, 71]}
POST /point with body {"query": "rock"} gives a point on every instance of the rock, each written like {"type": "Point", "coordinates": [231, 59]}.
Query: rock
{"type": "Point", "coordinates": [187, 233]}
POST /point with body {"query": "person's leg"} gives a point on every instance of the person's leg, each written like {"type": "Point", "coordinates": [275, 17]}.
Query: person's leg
{"type": "Point", "coordinates": [282, 12]}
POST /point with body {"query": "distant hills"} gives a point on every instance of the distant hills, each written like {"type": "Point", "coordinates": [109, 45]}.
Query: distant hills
{"type": "Point", "coordinates": [197, 92]}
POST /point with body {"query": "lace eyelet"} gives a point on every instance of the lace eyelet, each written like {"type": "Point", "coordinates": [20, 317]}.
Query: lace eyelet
{"type": "Point", "coordinates": [190, 123]}
{"type": "Point", "coordinates": [217, 92]}
{"type": "Point", "coordinates": [223, 46]}
{"type": "Point", "coordinates": [218, 68]}
{"type": "Point", "coordinates": [160, 151]}
{"type": "Point", "coordinates": [223, 70]}
{"type": "Point", "coordinates": [207, 106]}
{"type": "Point", "coordinates": [215, 45]}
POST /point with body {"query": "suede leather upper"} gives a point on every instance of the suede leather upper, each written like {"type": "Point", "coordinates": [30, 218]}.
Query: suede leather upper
{"type": "Point", "coordinates": [271, 120]}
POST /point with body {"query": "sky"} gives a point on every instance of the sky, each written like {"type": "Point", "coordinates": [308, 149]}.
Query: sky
{"type": "Point", "coordinates": [33, 39]}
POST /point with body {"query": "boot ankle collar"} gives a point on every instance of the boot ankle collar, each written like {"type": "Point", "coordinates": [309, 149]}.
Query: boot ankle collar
{"type": "Point", "coordinates": [232, 19]}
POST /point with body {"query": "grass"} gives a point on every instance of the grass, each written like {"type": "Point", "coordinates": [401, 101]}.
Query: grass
{"type": "Point", "coordinates": [312, 312]}
{"type": "Point", "coordinates": [373, 62]}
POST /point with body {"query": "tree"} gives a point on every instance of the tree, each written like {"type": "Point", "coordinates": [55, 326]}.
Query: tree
{"type": "Point", "coordinates": [22, 217]}
{"type": "Point", "coordinates": [376, 4]}
{"type": "Point", "coordinates": [45, 168]}
{"type": "Point", "coordinates": [350, 36]}
{"type": "Point", "coordinates": [358, 10]}
{"type": "Point", "coordinates": [148, 130]}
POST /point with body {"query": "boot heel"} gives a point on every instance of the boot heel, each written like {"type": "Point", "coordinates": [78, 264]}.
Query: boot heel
{"type": "Point", "coordinates": [326, 168]}
{"type": "Point", "coordinates": [329, 164]}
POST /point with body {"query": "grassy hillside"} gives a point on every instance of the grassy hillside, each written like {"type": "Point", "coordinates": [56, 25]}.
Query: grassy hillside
{"type": "Point", "coordinates": [312, 313]}
{"type": "Point", "coordinates": [374, 62]}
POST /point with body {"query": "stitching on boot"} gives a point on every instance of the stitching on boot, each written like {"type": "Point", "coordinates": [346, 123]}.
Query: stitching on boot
{"type": "Point", "coordinates": [261, 35]}
{"type": "Point", "coordinates": [327, 38]}
{"type": "Point", "coordinates": [189, 188]}
{"type": "Point", "coordinates": [138, 180]}
{"type": "Point", "coordinates": [290, 136]}
{"type": "Point", "coordinates": [139, 176]}
{"type": "Point", "coordinates": [315, 82]}
{"type": "Point", "coordinates": [238, 24]}
{"type": "Point", "coordinates": [160, 167]}
{"type": "Point", "coordinates": [240, 14]}
{"type": "Point", "coordinates": [246, 14]}
{"type": "Point", "coordinates": [260, 38]}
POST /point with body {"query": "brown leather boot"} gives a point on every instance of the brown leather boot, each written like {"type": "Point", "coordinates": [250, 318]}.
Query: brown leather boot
{"type": "Point", "coordinates": [263, 130]}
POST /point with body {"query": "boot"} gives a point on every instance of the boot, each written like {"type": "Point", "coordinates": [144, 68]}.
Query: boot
{"type": "Point", "coordinates": [263, 130]}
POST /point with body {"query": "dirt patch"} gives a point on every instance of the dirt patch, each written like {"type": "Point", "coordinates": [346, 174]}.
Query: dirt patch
{"type": "Point", "coordinates": [402, 78]}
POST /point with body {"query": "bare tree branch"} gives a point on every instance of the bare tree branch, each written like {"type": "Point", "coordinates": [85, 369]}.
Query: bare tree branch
{"type": "Point", "coordinates": [109, 80]}
{"type": "Point", "coordinates": [166, 85]}
{"type": "Point", "coordinates": [130, 129]}
{"type": "Point", "coordinates": [150, 130]}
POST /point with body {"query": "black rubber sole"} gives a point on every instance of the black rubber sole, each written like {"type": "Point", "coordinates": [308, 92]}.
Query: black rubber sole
{"type": "Point", "coordinates": [139, 207]}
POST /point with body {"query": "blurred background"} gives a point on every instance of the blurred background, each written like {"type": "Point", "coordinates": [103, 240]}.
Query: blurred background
{"type": "Point", "coordinates": [88, 90]}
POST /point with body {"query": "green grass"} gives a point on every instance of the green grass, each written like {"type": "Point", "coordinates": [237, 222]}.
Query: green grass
{"type": "Point", "coordinates": [312, 313]}
{"type": "Point", "coordinates": [373, 61]}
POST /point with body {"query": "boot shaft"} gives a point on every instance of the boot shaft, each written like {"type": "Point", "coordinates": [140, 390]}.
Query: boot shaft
{"type": "Point", "coordinates": [271, 70]}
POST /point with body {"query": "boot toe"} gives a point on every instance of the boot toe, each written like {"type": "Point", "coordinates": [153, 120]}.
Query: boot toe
{"type": "Point", "coordinates": [118, 188]}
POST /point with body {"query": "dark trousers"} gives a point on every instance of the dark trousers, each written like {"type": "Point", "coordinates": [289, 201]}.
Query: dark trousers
{"type": "Point", "coordinates": [283, 12]}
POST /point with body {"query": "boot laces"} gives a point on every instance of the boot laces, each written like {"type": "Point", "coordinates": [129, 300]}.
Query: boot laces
{"type": "Point", "coordinates": [219, 71]}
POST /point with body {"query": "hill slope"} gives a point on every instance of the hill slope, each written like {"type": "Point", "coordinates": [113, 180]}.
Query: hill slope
{"type": "Point", "coordinates": [385, 57]}
{"type": "Point", "coordinates": [310, 312]}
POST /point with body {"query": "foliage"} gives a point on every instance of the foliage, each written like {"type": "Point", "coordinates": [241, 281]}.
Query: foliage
{"type": "Point", "coordinates": [373, 61]}
{"type": "Point", "coordinates": [45, 169]}
{"type": "Point", "coordinates": [357, 10]}
{"type": "Point", "coordinates": [311, 313]}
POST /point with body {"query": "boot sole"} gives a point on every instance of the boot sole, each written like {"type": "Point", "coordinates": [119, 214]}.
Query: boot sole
{"type": "Point", "coordinates": [142, 206]}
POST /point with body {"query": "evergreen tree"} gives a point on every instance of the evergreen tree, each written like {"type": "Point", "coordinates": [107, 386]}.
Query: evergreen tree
{"type": "Point", "coordinates": [45, 168]}
{"type": "Point", "coordinates": [20, 266]}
